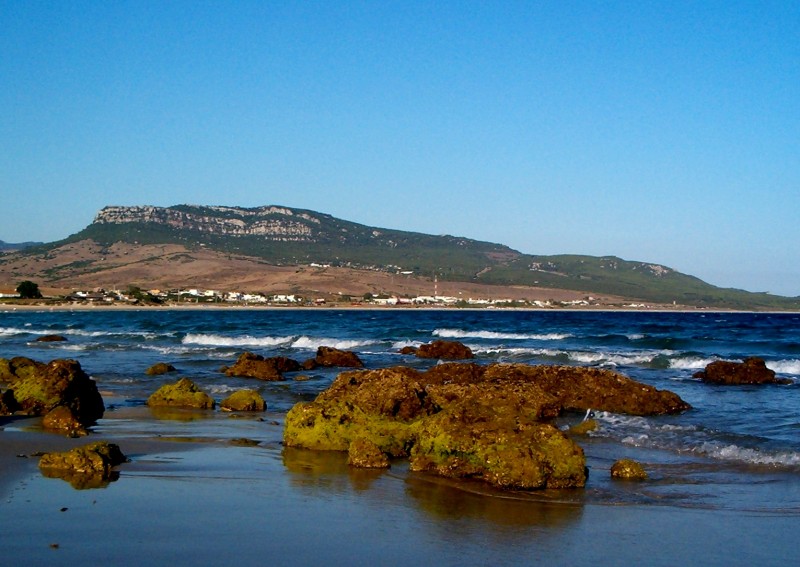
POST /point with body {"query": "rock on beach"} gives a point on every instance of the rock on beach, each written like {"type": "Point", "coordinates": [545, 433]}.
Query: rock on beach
{"type": "Point", "coordinates": [464, 420]}
{"type": "Point", "coordinates": [184, 393]}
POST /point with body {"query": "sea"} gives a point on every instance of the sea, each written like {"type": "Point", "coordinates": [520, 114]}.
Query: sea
{"type": "Point", "coordinates": [724, 474]}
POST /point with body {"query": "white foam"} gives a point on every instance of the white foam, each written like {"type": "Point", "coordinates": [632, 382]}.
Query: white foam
{"type": "Point", "coordinates": [238, 341]}
{"type": "Point", "coordinates": [785, 366]}
{"type": "Point", "coordinates": [459, 333]}
{"type": "Point", "coordinates": [690, 362]}
{"type": "Point", "coordinates": [745, 455]}
{"type": "Point", "coordinates": [313, 343]}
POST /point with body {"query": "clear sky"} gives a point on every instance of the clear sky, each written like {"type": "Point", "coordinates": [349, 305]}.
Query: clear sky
{"type": "Point", "coordinates": [666, 132]}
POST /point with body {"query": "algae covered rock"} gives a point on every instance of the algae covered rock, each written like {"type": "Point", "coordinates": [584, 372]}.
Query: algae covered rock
{"type": "Point", "coordinates": [244, 400]}
{"type": "Point", "coordinates": [89, 466]}
{"type": "Point", "coordinates": [160, 368]}
{"type": "Point", "coordinates": [752, 370]}
{"type": "Point", "coordinates": [464, 420]}
{"type": "Point", "coordinates": [506, 451]}
{"type": "Point", "coordinates": [251, 365]}
{"type": "Point", "coordinates": [39, 388]}
{"type": "Point", "coordinates": [183, 393]}
{"type": "Point", "coordinates": [627, 469]}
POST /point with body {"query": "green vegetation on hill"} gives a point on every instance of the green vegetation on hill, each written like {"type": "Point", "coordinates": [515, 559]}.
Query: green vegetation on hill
{"type": "Point", "coordinates": [304, 237]}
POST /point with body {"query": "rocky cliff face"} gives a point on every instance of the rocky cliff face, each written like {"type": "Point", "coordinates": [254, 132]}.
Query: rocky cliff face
{"type": "Point", "coordinates": [273, 223]}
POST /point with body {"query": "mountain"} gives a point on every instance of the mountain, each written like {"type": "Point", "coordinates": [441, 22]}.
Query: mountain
{"type": "Point", "coordinates": [282, 237]}
{"type": "Point", "coordinates": [9, 246]}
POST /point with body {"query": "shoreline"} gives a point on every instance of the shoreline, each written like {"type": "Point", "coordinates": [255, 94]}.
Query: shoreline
{"type": "Point", "coordinates": [11, 307]}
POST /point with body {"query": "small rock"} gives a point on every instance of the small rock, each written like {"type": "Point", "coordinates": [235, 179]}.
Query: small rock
{"type": "Point", "coordinates": [366, 454]}
{"type": "Point", "coordinates": [627, 469]}
{"type": "Point", "coordinates": [244, 400]}
{"type": "Point", "coordinates": [51, 339]}
{"type": "Point", "coordinates": [183, 393]}
{"type": "Point", "coordinates": [160, 368]}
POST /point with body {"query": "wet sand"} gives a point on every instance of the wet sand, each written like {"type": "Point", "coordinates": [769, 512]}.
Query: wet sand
{"type": "Point", "coordinates": [190, 495]}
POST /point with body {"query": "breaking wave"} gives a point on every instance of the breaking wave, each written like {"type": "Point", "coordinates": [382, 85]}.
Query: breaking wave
{"type": "Point", "coordinates": [243, 340]}
{"type": "Point", "coordinates": [460, 334]}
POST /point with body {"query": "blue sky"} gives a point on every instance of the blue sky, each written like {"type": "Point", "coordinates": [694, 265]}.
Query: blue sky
{"type": "Point", "coordinates": [666, 132]}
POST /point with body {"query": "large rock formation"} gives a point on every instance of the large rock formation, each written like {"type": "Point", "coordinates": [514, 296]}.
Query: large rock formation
{"type": "Point", "coordinates": [38, 388]}
{"type": "Point", "coordinates": [752, 371]}
{"type": "Point", "coordinates": [466, 420]}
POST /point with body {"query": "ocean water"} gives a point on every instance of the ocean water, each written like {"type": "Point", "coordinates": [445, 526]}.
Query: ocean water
{"type": "Point", "coordinates": [737, 452]}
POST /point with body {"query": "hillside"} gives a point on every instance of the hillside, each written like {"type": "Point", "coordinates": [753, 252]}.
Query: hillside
{"type": "Point", "coordinates": [208, 244]}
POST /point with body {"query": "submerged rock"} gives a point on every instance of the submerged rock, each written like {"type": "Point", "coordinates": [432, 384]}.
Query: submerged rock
{"type": "Point", "coordinates": [51, 339]}
{"type": "Point", "coordinates": [183, 393]}
{"type": "Point", "coordinates": [464, 420]}
{"type": "Point", "coordinates": [244, 400]}
{"type": "Point", "coordinates": [39, 388]}
{"type": "Point", "coordinates": [160, 368]}
{"type": "Point", "coordinates": [627, 469]}
{"type": "Point", "coordinates": [89, 466]}
{"type": "Point", "coordinates": [251, 365]}
{"type": "Point", "coordinates": [752, 370]}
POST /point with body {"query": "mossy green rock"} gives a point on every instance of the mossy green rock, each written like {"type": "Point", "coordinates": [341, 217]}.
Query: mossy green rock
{"type": "Point", "coordinates": [89, 466]}
{"type": "Point", "coordinates": [183, 393]}
{"type": "Point", "coordinates": [244, 400]}
{"type": "Point", "coordinates": [472, 439]}
{"type": "Point", "coordinates": [450, 425]}
{"type": "Point", "coordinates": [39, 388]}
{"type": "Point", "coordinates": [627, 469]}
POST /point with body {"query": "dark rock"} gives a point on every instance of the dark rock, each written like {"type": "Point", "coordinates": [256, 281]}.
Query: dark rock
{"type": "Point", "coordinates": [244, 400]}
{"type": "Point", "coordinates": [408, 350]}
{"type": "Point", "coordinates": [445, 350]}
{"type": "Point", "coordinates": [626, 469]}
{"type": "Point", "coordinates": [8, 404]}
{"type": "Point", "coordinates": [38, 388]}
{"type": "Point", "coordinates": [160, 368]}
{"type": "Point", "coordinates": [250, 365]}
{"type": "Point", "coordinates": [752, 371]}
{"type": "Point", "coordinates": [579, 389]}
{"type": "Point", "coordinates": [51, 339]}
{"type": "Point", "coordinates": [333, 357]}
{"type": "Point", "coordinates": [184, 393]}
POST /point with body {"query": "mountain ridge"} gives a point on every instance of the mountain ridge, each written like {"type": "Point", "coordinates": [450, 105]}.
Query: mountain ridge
{"type": "Point", "coordinates": [286, 236]}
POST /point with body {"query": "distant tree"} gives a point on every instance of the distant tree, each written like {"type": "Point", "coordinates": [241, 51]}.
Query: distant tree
{"type": "Point", "coordinates": [29, 290]}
